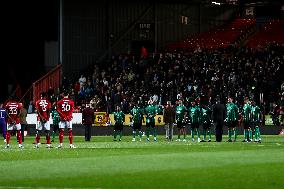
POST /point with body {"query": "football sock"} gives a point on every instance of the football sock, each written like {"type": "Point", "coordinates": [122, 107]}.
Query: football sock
{"type": "Point", "coordinates": [192, 133]}
{"type": "Point", "coordinates": [209, 133]}
{"type": "Point", "coordinates": [250, 134]}
{"type": "Point", "coordinates": [120, 134]}
{"type": "Point", "coordinates": [236, 133]}
{"type": "Point", "coordinates": [204, 134]}
{"type": "Point", "coordinates": [48, 138]}
{"type": "Point", "coordinates": [61, 135]}
{"type": "Point", "coordinates": [53, 135]}
{"type": "Point", "coordinates": [148, 132]}
{"type": "Point", "coordinates": [37, 137]}
{"type": "Point", "coordinates": [230, 133]}
{"type": "Point", "coordinates": [70, 136]}
{"type": "Point", "coordinates": [134, 134]}
{"type": "Point", "coordinates": [114, 134]}
{"type": "Point", "coordinates": [155, 131]}
{"type": "Point", "coordinates": [19, 136]}
{"type": "Point", "coordinates": [140, 134]}
{"type": "Point", "coordinates": [198, 133]}
{"type": "Point", "coordinates": [4, 132]}
{"type": "Point", "coordinates": [8, 136]}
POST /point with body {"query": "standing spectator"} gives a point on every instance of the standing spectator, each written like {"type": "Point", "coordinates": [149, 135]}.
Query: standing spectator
{"type": "Point", "coordinates": [82, 81]}
{"type": "Point", "coordinates": [13, 108]}
{"type": "Point", "coordinates": [31, 107]}
{"type": "Point", "coordinates": [218, 116]}
{"type": "Point", "coordinates": [88, 117]}
{"type": "Point", "coordinates": [43, 107]}
{"type": "Point", "coordinates": [169, 118]}
{"type": "Point", "coordinates": [3, 116]}
{"type": "Point", "coordinates": [24, 123]}
{"type": "Point", "coordinates": [65, 108]}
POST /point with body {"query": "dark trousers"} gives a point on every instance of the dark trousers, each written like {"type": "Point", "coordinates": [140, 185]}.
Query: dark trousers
{"type": "Point", "coordinates": [23, 127]}
{"type": "Point", "coordinates": [88, 133]}
{"type": "Point", "coordinates": [219, 131]}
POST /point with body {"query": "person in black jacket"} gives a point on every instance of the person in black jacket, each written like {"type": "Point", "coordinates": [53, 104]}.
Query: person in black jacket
{"type": "Point", "coordinates": [218, 119]}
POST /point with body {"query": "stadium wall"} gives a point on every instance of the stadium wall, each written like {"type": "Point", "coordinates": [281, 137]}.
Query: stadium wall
{"type": "Point", "coordinates": [93, 30]}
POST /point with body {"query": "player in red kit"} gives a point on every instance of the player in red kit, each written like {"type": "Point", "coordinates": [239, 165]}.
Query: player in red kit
{"type": "Point", "coordinates": [65, 108]}
{"type": "Point", "coordinates": [13, 108]}
{"type": "Point", "coordinates": [43, 107]}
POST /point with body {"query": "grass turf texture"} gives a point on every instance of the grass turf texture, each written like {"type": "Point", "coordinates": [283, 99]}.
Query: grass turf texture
{"type": "Point", "coordinates": [103, 163]}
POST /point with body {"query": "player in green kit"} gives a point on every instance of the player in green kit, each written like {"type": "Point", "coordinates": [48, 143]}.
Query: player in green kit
{"type": "Point", "coordinates": [256, 119]}
{"type": "Point", "coordinates": [232, 114]}
{"type": "Point", "coordinates": [151, 111]}
{"type": "Point", "coordinates": [247, 120]}
{"type": "Point", "coordinates": [206, 121]}
{"type": "Point", "coordinates": [180, 120]}
{"type": "Point", "coordinates": [194, 117]}
{"type": "Point", "coordinates": [119, 119]}
{"type": "Point", "coordinates": [56, 119]}
{"type": "Point", "coordinates": [137, 114]}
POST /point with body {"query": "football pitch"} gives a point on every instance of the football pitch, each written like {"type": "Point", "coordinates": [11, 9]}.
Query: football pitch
{"type": "Point", "coordinates": [103, 163]}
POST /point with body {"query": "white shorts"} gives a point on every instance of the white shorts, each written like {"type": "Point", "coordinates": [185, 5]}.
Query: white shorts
{"type": "Point", "coordinates": [41, 125]}
{"type": "Point", "coordinates": [63, 124]}
{"type": "Point", "coordinates": [11, 127]}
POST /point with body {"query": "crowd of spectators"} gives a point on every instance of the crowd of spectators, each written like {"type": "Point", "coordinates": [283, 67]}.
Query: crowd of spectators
{"type": "Point", "coordinates": [169, 76]}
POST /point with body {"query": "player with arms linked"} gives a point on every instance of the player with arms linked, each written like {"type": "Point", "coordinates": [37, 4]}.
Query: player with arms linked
{"type": "Point", "coordinates": [43, 107]}
{"type": "Point", "coordinates": [13, 108]}
{"type": "Point", "coordinates": [65, 108]}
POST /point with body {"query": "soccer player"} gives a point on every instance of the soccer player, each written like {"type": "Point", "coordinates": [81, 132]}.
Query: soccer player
{"type": "Point", "coordinates": [56, 119]}
{"type": "Point", "coordinates": [206, 121]}
{"type": "Point", "coordinates": [151, 111]}
{"type": "Point", "coordinates": [43, 107]}
{"type": "Point", "coordinates": [13, 108]}
{"type": "Point", "coordinates": [137, 114]}
{"type": "Point", "coordinates": [247, 120]}
{"type": "Point", "coordinates": [3, 115]}
{"type": "Point", "coordinates": [194, 116]}
{"type": "Point", "coordinates": [181, 112]}
{"type": "Point", "coordinates": [256, 119]}
{"type": "Point", "coordinates": [232, 113]}
{"type": "Point", "coordinates": [65, 108]}
{"type": "Point", "coordinates": [119, 119]}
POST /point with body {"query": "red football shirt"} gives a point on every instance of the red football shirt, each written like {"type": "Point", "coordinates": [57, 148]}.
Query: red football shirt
{"type": "Point", "coordinates": [13, 110]}
{"type": "Point", "coordinates": [43, 107]}
{"type": "Point", "coordinates": [65, 108]}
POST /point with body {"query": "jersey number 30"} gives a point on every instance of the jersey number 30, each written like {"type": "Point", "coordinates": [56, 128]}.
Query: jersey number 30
{"type": "Point", "coordinates": [66, 107]}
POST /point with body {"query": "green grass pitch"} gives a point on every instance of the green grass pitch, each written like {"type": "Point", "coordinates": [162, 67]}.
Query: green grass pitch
{"type": "Point", "coordinates": [103, 163]}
